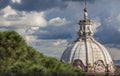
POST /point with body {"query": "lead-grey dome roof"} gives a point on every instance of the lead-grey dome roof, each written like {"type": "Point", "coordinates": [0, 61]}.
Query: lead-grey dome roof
{"type": "Point", "coordinates": [86, 53]}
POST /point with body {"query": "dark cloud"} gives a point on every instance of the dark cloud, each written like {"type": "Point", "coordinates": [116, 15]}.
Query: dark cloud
{"type": "Point", "coordinates": [4, 3]}
{"type": "Point", "coordinates": [38, 5]}
{"type": "Point", "coordinates": [55, 33]}
{"type": "Point", "coordinates": [103, 9]}
{"type": "Point", "coordinates": [108, 36]}
{"type": "Point", "coordinates": [79, 0]}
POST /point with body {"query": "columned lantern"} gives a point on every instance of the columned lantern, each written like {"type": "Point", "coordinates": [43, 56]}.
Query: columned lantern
{"type": "Point", "coordinates": [86, 53]}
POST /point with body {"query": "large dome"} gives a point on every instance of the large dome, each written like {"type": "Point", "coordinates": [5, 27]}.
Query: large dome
{"type": "Point", "coordinates": [86, 53]}
{"type": "Point", "coordinates": [90, 53]}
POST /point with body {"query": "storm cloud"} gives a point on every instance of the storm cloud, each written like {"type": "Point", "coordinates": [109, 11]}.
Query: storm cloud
{"type": "Point", "coordinates": [55, 20]}
{"type": "Point", "coordinates": [4, 3]}
{"type": "Point", "coordinates": [38, 5]}
{"type": "Point", "coordinates": [91, 1]}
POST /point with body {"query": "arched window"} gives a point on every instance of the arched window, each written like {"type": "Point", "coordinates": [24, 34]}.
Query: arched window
{"type": "Point", "coordinates": [78, 63]}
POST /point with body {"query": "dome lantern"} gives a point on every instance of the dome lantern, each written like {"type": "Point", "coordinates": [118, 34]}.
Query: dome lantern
{"type": "Point", "coordinates": [85, 30]}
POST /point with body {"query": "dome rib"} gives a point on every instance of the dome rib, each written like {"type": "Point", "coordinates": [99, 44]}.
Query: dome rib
{"type": "Point", "coordinates": [73, 52]}
{"type": "Point", "coordinates": [99, 45]}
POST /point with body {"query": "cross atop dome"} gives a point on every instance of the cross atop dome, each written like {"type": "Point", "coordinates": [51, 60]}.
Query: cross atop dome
{"type": "Point", "coordinates": [85, 11]}
{"type": "Point", "coordinates": [85, 14]}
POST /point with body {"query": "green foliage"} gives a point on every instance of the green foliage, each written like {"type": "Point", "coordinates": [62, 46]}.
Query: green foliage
{"type": "Point", "coordinates": [19, 59]}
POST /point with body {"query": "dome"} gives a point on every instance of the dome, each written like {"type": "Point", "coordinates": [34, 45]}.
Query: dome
{"type": "Point", "coordinates": [86, 53]}
{"type": "Point", "coordinates": [90, 53]}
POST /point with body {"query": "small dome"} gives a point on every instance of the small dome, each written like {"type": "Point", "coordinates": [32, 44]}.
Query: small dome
{"type": "Point", "coordinates": [86, 53]}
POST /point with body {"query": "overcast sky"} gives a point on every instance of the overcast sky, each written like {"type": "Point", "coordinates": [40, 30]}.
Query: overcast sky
{"type": "Point", "coordinates": [49, 25]}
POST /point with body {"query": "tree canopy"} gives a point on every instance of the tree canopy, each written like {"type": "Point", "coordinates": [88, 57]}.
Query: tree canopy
{"type": "Point", "coordinates": [19, 59]}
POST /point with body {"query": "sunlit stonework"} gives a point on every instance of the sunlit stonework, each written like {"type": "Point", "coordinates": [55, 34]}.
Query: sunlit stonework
{"type": "Point", "coordinates": [86, 53]}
